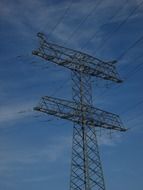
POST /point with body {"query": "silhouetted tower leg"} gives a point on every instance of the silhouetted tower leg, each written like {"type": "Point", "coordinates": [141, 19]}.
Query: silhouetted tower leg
{"type": "Point", "coordinates": [86, 169]}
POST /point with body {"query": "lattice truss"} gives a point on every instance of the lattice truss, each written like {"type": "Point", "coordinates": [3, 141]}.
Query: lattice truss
{"type": "Point", "coordinates": [72, 111]}
{"type": "Point", "coordinates": [86, 169]}
{"type": "Point", "coordinates": [76, 60]}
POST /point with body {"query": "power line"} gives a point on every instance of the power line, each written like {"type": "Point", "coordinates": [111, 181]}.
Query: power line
{"type": "Point", "coordinates": [135, 59]}
{"type": "Point", "coordinates": [132, 107]}
{"type": "Point", "coordinates": [111, 18]}
{"type": "Point", "coordinates": [61, 18]}
{"type": "Point", "coordinates": [129, 75]}
{"type": "Point", "coordinates": [130, 47]}
{"type": "Point", "coordinates": [135, 70]}
{"type": "Point", "coordinates": [83, 21]}
{"type": "Point", "coordinates": [131, 120]}
{"type": "Point", "coordinates": [60, 88]}
{"type": "Point", "coordinates": [119, 26]}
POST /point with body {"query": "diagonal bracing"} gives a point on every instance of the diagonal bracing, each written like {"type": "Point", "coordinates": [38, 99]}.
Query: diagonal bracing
{"type": "Point", "coordinates": [76, 60]}
{"type": "Point", "coordinates": [70, 110]}
{"type": "Point", "coordinates": [86, 168]}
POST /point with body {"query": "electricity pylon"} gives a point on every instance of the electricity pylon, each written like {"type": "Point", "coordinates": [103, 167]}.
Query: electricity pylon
{"type": "Point", "coordinates": [86, 169]}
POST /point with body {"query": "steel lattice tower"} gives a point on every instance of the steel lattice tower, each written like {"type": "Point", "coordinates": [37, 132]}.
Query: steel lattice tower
{"type": "Point", "coordinates": [86, 169]}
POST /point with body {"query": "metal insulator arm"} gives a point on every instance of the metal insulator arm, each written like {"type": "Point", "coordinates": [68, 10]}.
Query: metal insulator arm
{"type": "Point", "coordinates": [71, 111]}
{"type": "Point", "coordinates": [76, 60]}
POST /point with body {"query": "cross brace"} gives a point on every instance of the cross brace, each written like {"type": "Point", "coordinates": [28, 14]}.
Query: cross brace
{"type": "Point", "coordinates": [71, 111]}
{"type": "Point", "coordinates": [86, 168]}
{"type": "Point", "coordinates": [76, 60]}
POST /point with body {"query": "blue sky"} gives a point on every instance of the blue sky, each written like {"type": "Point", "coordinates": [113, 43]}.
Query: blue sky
{"type": "Point", "coordinates": [35, 149]}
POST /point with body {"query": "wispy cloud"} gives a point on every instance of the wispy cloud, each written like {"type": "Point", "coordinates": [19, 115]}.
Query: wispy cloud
{"type": "Point", "coordinates": [109, 139]}
{"type": "Point", "coordinates": [23, 16]}
{"type": "Point", "coordinates": [18, 159]}
{"type": "Point", "coordinates": [17, 111]}
{"type": "Point", "coordinates": [18, 165]}
{"type": "Point", "coordinates": [38, 179]}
